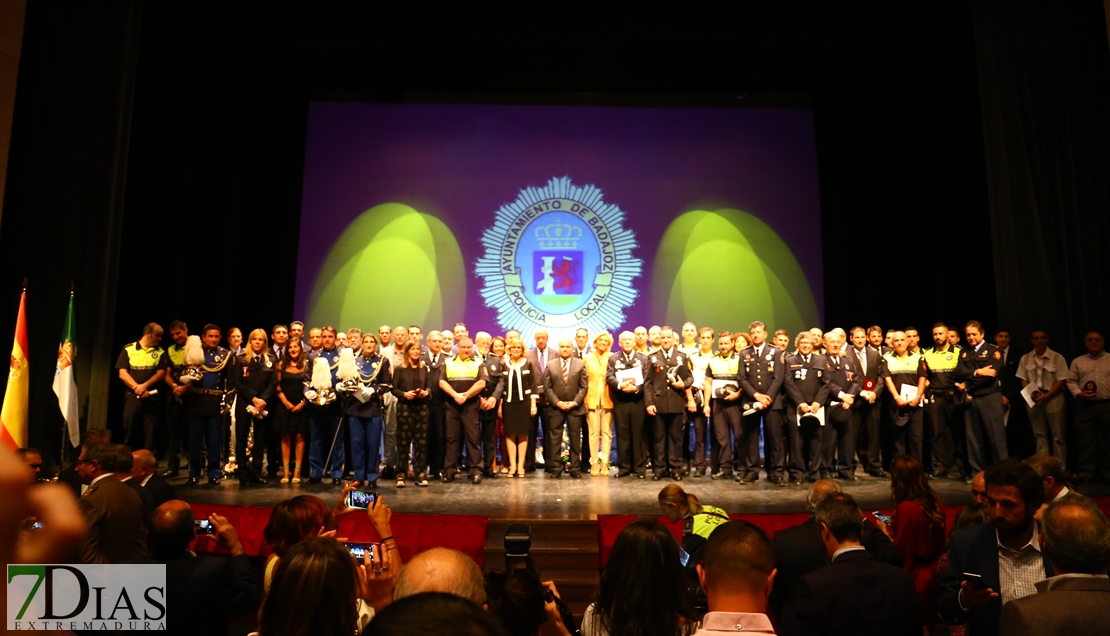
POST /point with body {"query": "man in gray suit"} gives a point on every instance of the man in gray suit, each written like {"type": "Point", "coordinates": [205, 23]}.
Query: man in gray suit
{"type": "Point", "coordinates": [1076, 539]}
{"type": "Point", "coordinates": [564, 382]}
{"type": "Point", "coordinates": [113, 512]}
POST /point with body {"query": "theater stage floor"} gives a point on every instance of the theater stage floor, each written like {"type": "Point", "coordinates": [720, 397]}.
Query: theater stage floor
{"type": "Point", "coordinates": [535, 496]}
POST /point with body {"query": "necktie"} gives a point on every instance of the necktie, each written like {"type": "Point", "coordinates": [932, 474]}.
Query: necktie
{"type": "Point", "coordinates": [836, 361]}
{"type": "Point", "coordinates": [256, 359]}
{"type": "Point", "coordinates": [862, 355]}
{"type": "Point", "coordinates": [566, 371]}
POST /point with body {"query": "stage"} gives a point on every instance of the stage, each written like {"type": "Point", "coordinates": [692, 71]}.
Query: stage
{"type": "Point", "coordinates": [535, 496]}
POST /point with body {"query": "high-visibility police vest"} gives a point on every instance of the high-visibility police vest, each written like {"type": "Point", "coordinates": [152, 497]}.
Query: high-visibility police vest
{"type": "Point", "coordinates": [143, 363]}
{"type": "Point", "coordinates": [177, 355]}
{"type": "Point", "coordinates": [700, 361]}
{"type": "Point", "coordinates": [898, 365]}
{"type": "Point", "coordinates": [725, 368]}
{"type": "Point", "coordinates": [941, 364]}
{"type": "Point", "coordinates": [462, 374]}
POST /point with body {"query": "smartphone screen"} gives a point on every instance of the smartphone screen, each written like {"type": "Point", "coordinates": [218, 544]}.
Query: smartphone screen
{"type": "Point", "coordinates": [975, 580]}
{"type": "Point", "coordinates": [881, 517]}
{"type": "Point", "coordinates": [359, 550]}
{"type": "Point", "coordinates": [360, 499]}
{"type": "Point", "coordinates": [205, 526]}
{"type": "Point", "coordinates": [683, 556]}
{"type": "Point", "coordinates": [36, 525]}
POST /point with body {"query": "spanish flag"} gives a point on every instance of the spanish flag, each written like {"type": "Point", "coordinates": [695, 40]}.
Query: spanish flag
{"type": "Point", "coordinates": [13, 416]}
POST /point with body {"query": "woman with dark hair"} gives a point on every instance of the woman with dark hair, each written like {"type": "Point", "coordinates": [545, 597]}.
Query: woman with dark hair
{"type": "Point", "coordinates": [412, 384]}
{"type": "Point", "coordinates": [364, 411]}
{"type": "Point", "coordinates": [290, 418]}
{"type": "Point", "coordinates": [917, 527]}
{"type": "Point", "coordinates": [518, 599]}
{"type": "Point", "coordinates": [642, 591]}
{"type": "Point", "coordinates": [314, 591]}
{"type": "Point", "coordinates": [291, 522]}
{"type": "Point", "coordinates": [699, 521]}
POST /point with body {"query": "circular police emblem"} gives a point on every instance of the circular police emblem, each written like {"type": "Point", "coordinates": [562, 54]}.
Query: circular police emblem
{"type": "Point", "coordinates": [558, 258]}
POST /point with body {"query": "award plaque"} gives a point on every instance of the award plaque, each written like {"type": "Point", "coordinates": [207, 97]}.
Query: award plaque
{"type": "Point", "coordinates": [1090, 386]}
{"type": "Point", "coordinates": [869, 385]}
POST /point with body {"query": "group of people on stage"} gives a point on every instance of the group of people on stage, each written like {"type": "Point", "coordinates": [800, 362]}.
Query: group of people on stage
{"type": "Point", "coordinates": [834, 402]}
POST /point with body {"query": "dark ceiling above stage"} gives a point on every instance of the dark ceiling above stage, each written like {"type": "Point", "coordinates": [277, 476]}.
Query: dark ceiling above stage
{"type": "Point", "coordinates": [220, 107]}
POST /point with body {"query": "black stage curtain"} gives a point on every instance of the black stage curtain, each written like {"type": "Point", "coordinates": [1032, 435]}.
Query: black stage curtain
{"type": "Point", "coordinates": [64, 200]}
{"type": "Point", "coordinates": [1044, 75]}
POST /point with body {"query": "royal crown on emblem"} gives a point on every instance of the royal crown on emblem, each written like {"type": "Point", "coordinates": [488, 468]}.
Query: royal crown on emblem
{"type": "Point", "coordinates": [558, 235]}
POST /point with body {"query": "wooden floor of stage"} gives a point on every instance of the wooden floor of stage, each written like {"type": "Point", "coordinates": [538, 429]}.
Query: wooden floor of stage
{"type": "Point", "coordinates": [536, 496]}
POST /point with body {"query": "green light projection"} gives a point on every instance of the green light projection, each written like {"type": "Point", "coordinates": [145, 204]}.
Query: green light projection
{"type": "Point", "coordinates": [392, 265]}
{"type": "Point", "coordinates": [726, 268]}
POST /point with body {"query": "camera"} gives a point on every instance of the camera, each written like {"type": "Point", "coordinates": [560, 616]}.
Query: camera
{"type": "Point", "coordinates": [518, 542]}
{"type": "Point", "coordinates": [360, 550]}
{"type": "Point", "coordinates": [204, 526]}
{"type": "Point", "coordinates": [360, 499]}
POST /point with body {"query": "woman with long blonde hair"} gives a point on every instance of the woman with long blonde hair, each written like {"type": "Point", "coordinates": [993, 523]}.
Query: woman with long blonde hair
{"type": "Point", "coordinates": [518, 405]}
{"type": "Point", "coordinates": [599, 407]}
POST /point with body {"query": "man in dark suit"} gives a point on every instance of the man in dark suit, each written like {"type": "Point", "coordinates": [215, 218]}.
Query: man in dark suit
{"type": "Point", "coordinates": [628, 406]}
{"type": "Point", "coordinates": [564, 381]}
{"type": "Point", "coordinates": [206, 590]}
{"type": "Point", "coordinates": [434, 359]}
{"type": "Point", "coordinates": [978, 371]}
{"type": "Point", "coordinates": [844, 387]}
{"type": "Point", "coordinates": [856, 593]}
{"type": "Point", "coordinates": [867, 410]}
{"type": "Point", "coordinates": [124, 466]}
{"type": "Point", "coordinates": [1004, 554]}
{"type": "Point", "coordinates": [539, 356]}
{"type": "Point", "coordinates": [1076, 540]}
{"type": "Point", "coordinates": [799, 549]}
{"type": "Point", "coordinates": [667, 396]}
{"type": "Point", "coordinates": [143, 469]}
{"type": "Point", "coordinates": [807, 393]}
{"type": "Point", "coordinates": [113, 512]}
{"type": "Point", "coordinates": [761, 378]}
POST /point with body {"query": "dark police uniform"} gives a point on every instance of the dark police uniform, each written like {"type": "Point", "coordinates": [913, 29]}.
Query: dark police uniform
{"type": "Point", "coordinates": [909, 427]}
{"type": "Point", "coordinates": [806, 382]}
{"type": "Point", "coordinates": [948, 445]}
{"type": "Point", "coordinates": [495, 386]}
{"type": "Point", "coordinates": [700, 362]}
{"type": "Point", "coordinates": [462, 419]}
{"type": "Point", "coordinates": [725, 415]}
{"type": "Point", "coordinates": [840, 434]}
{"type": "Point", "coordinates": [202, 404]}
{"type": "Point", "coordinates": [986, 433]}
{"type": "Point", "coordinates": [670, 405]}
{"type": "Point", "coordinates": [437, 416]}
{"type": "Point", "coordinates": [142, 364]}
{"type": "Point", "coordinates": [176, 425]}
{"type": "Point", "coordinates": [251, 376]}
{"type": "Point", "coordinates": [364, 419]}
{"type": "Point", "coordinates": [324, 422]}
{"type": "Point", "coordinates": [764, 373]}
{"type": "Point", "coordinates": [628, 415]}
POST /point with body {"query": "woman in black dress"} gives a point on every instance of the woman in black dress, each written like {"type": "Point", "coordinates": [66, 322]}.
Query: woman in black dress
{"type": "Point", "coordinates": [290, 418]}
{"type": "Point", "coordinates": [412, 383]}
{"type": "Point", "coordinates": [518, 405]}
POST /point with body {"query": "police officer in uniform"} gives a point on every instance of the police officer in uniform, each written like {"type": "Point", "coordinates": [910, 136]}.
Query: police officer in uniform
{"type": "Point", "coordinates": [204, 401]}
{"type": "Point", "coordinates": [762, 379]}
{"type": "Point", "coordinates": [980, 365]}
{"type": "Point", "coordinates": [364, 410]}
{"type": "Point", "coordinates": [807, 393]}
{"type": "Point", "coordinates": [722, 404]}
{"type": "Point", "coordinates": [900, 368]}
{"type": "Point", "coordinates": [488, 400]}
{"type": "Point", "coordinates": [463, 379]}
{"type": "Point", "coordinates": [628, 407]}
{"type": "Point", "coordinates": [250, 376]}
{"type": "Point", "coordinates": [840, 433]}
{"type": "Point", "coordinates": [667, 396]}
{"type": "Point", "coordinates": [699, 362]}
{"type": "Point", "coordinates": [941, 414]}
{"type": "Point", "coordinates": [141, 365]}
{"type": "Point", "coordinates": [437, 415]}
{"type": "Point", "coordinates": [324, 421]}
{"type": "Point", "coordinates": [176, 426]}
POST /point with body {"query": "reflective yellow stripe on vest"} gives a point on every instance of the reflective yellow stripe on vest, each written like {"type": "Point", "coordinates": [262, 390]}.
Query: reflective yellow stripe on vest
{"type": "Point", "coordinates": [724, 367]}
{"type": "Point", "coordinates": [462, 371]}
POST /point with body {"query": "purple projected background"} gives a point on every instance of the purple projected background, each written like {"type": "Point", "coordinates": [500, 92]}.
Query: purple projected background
{"type": "Point", "coordinates": [460, 163]}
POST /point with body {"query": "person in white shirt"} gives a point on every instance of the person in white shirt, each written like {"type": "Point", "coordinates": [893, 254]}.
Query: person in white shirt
{"type": "Point", "coordinates": [1046, 370]}
{"type": "Point", "coordinates": [737, 572]}
{"type": "Point", "coordinates": [1089, 382]}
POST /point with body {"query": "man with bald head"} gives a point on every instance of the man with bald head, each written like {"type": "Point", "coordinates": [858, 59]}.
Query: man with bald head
{"type": "Point", "coordinates": [441, 570]}
{"type": "Point", "coordinates": [143, 467]}
{"type": "Point", "coordinates": [206, 590]}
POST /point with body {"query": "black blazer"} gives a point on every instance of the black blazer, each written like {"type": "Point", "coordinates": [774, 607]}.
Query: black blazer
{"type": "Point", "coordinates": [806, 382]}
{"type": "Point", "coordinates": [856, 594]}
{"type": "Point", "coordinates": [252, 379]}
{"type": "Point", "coordinates": [160, 490]}
{"type": "Point", "coordinates": [435, 363]}
{"type": "Point", "coordinates": [970, 360]}
{"type": "Point", "coordinates": [974, 550]}
{"type": "Point", "coordinates": [874, 372]}
{"type": "Point", "coordinates": [617, 363]}
{"type": "Point", "coordinates": [842, 375]}
{"type": "Point", "coordinates": [207, 590]}
{"type": "Point", "coordinates": [658, 391]}
{"type": "Point", "coordinates": [763, 374]}
{"type": "Point", "coordinates": [799, 551]}
{"type": "Point", "coordinates": [145, 496]}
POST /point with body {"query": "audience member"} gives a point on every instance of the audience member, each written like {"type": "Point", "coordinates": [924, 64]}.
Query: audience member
{"type": "Point", "coordinates": [917, 528]}
{"type": "Point", "coordinates": [699, 520]}
{"type": "Point", "coordinates": [441, 570]}
{"type": "Point", "coordinates": [113, 512]}
{"type": "Point", "coordinates": [856, 593]}
{"type": "Point", "coordinates": [737, 574]}
{"type": "Point", "coordinates": [1051, 472]}
{"type": "Point", "coordinates": [969, 516]}
{"type": "Point", "coordinates": [70, 476]}
{"type": "Point", "coordinates": [641, 590]}
{"type": "Point", "coordinates": [33, 459]}
{"type": "Point", "coordinates": [291, 522]}
{"type": "Point", "coordinates": [205, 590]}
{"type": "Point", "coordinates": [1076, 540]}
{"type": "Point", "coordinates": [314, 591]}
{"type": "Point", "coordinates": [125, 464]}
{"type": "Point", "coordinates": [432, 613]}
{"type": "Point", "coordinates": [979, 488]}
{"type": "Point", "coordinates": [518, 599]}
{"type": "Point", "coordinates": [1004, 555]}
{"type": "Point", "coordinates": [799, 549]}
{"type": "Point", "coordinates": [144, 470]}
